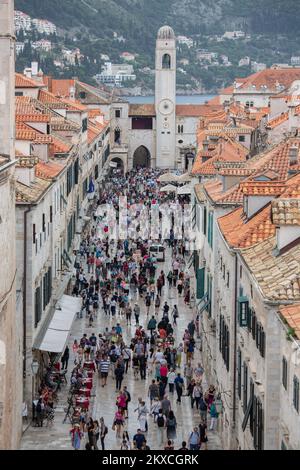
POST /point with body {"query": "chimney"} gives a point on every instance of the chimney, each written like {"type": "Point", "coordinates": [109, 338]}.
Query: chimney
{"type": "Point", "coordinates": [7, 78]}
{"type": "Point", "coordinates": [34, 69]}
{"type": "Point", "coordinates": [72, 93]}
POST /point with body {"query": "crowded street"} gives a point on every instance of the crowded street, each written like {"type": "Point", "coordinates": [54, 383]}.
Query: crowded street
{"type": "Point", "coordinates": [132, 373]}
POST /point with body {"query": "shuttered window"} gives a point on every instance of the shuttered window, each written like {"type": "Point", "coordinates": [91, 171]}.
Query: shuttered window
{"type": "Point", "coordinates": [284, 373]}
{"type": "Point", "coordinates": [239, 373]}
{"type": "Point", "coordinates": [296, 393]}
{"type": "Point", "coordinates": [200, 283]}
{"type": "Point", "coordinates": [37, 306]}
{"type": "Point", "coordinates": [245, 386]}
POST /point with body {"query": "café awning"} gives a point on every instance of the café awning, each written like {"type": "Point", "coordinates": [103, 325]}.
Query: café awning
{"type": "Point", "coordinates": [187, 189]}
{"type": "Point", "coordinates": [168, 178]}
{"type": "Point", "coordinates": [170, 188]}
{"type": "Point", "coordinates": [56, 335]}
{"type": "Point", "coordinates": [185, 178]}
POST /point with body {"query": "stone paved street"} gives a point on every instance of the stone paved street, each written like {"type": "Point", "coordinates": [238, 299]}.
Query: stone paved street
{"type": "Point", "coordinates": [104, 402]}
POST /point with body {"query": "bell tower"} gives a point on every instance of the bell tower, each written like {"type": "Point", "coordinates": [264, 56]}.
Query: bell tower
{"type": "Point", "coordinates": [165, 98]}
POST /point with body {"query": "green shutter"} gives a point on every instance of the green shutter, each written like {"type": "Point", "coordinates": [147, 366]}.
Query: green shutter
{"type": "Point", "coordinates": [200, 283]}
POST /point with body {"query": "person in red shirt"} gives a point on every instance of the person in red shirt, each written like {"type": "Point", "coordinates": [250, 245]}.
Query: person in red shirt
{"type": "Point", "coordinates": [162, 333]}
{"type": "Point", "coordinates": [164, 373]}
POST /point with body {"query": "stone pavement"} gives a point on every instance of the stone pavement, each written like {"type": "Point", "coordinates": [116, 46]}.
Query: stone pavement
{"type": "Point", "coordinates": [104, 402]}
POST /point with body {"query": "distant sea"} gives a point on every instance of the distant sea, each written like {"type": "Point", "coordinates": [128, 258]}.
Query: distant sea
{"type": "Point", "coordinates": [180, 99]}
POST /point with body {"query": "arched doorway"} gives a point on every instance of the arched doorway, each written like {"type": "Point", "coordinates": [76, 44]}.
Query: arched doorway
{"type": "Point", "coordinates": [117, 164]}
{"type": "Point", "coordinates": [141, 157]}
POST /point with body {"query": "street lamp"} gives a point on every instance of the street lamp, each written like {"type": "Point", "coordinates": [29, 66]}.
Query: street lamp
{"type": "Point", "coordinates": [35, 367]}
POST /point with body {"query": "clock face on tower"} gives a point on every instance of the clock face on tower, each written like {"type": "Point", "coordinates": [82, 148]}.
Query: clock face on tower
{"type": "Point", "coordinates": [166, 107]}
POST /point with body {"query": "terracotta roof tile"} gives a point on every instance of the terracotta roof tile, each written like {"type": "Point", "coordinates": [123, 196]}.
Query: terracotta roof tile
{"type": "Point", "coordinates": [277, 276]}
{"type": "Point", "coordinates": [286, 211]}
{"type": "Point", "coordinates": [48, 170]}
{"type": "Point", "coordinates": [240, 233]}
{"type": "Point", "coordinates": [277, 121]}
{"type": "Point", "coordinates": [30, 194]}
{"type": "Point", "coordinates": [262, 188]}
{"type": "Point", "coordinates": [142, 110]}
{"type": "Point", "coordinates": [25, 82]}
{"type": "Point", "coordinates": [226, 151]}
{"type": "Point", "coordinates": [291, 314]}
{"type": "Point", "coordinates": [61, 88]}
{"type": "Point", "coordinates": [198, 110]}
{"type": "Point", "coordinates": [270, 78]}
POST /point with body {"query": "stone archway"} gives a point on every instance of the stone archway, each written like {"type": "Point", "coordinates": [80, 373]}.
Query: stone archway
{"type": "Point", "coordinates": [141, 157]}
{"type": "Point", "coordinates": [119, 162]}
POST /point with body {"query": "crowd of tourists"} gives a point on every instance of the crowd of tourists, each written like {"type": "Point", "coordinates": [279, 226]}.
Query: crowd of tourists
{"type": "Point", "coordinates": [122, 282]}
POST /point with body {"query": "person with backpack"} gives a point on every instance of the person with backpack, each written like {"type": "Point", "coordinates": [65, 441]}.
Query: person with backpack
{"type": "Point", "coordinates": [128, 400]}
{"type": "Point", "coordinates": [103, 432]}
{"type": "Point", "coordinates": [161, 421]}
{"type": "Point", "coordinates": [179, 385]}
{"type": "Point", "coordinates": [203, 405]}
{"type": "Point", "coordinates": [194, 439]}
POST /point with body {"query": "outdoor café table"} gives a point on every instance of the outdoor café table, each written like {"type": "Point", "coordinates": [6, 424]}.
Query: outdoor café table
{"type": "Point", "coordinates": [82, 402]}
{"type": "Point", "coordinates": [88, 383]}
{"type": "Point", "coordinates": [89, 365]}
{"type": "Point", "coordinates": [86, 392]}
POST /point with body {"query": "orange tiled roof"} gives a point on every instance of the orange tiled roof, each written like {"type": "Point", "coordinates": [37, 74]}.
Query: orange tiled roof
{"type": "Point", "coordinates": [61, 88]}
{"type": "Point", "coordinates": [286, 211]}
{"type": "Point", "coordinates": [48, 170]}
{"type": "Point", "coordinates": [291, 314]}
{"type": "Point", "coordinates": [270, 78]}
{"type": "Point", "coordinates": [278, 120]}
{"type": "Point", "coordinates": [214, 101]}
{"type": "Point", "coordinates": [142, 110]}
{"type": "Point", "coordinates": [93, 113]}
{"type": "Point", "coordinates": [197, 110]}
{"type": "Point", "coordinates": [240, 233]}
{"type": "Point", "coordinates": [51, 100]}
{"type": "Point", "coordinates": [75, 105]}
{"type": "Point", "coordinates": [25, 132]}
{"type": "Point", "coordinates": [227, 91]}
{"type": "Point", "coordinates": [59, 146]}
{"type": "Point", "coordinates": [226, 150]}
{"type": "Point", "coordinates": [32, 118]}
{"type": "Point", "coordinates": [25, 82]}
{"type": "Point", "coordinates": [262, 188]}
{"type": "Point", "coordinates": [277, 276]}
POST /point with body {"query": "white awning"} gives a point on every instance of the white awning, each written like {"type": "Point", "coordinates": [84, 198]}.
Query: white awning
{"type": "Point", "coordinates": [56, 336]}
{"type": "Point", "coordinates": [170, 188]}
{"type": "Point", "coordinates": [187, 189]}
{"type": "Point", "coordinates": [54, 341]}
{"type": "Point", "coordinates": [185, 178]}
{"type": "Point", "coordinates": [168, 178]}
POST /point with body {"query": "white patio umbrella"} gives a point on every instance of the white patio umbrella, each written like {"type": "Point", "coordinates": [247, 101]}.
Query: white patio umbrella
{"type": "Point", "coordinates": [185, 178]}
{"type": "Point", "coordinates": [168, 178]}
{"type": "Point", "coordinates": [170, 188]}
{"type": "Point", "coordinates": [187, 189]}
